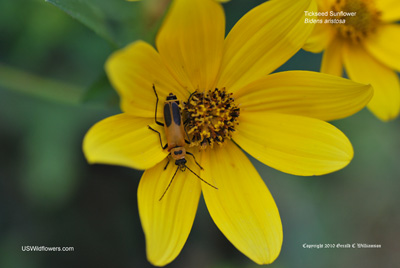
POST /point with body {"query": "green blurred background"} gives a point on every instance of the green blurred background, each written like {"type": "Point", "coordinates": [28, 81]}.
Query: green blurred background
{"type": "Point", "coordinates": [53, 89]}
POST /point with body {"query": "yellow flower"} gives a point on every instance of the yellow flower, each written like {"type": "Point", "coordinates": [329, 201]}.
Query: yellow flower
{"type": "Point", "coordinates": [279, 119]}
{"type": "Point", "coordinates": [366, 43]}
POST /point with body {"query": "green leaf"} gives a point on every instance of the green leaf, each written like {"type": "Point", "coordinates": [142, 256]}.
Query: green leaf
{"type": "Point", "coordinates": [118, 22]}
{"type": "Point", "coordinates": [88, 14]}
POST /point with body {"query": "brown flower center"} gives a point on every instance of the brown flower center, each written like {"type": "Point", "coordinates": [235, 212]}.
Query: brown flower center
{"type": "Point", "coordinates": [359, 26]}
{"type": "Point", "coordinates": [210, 117]}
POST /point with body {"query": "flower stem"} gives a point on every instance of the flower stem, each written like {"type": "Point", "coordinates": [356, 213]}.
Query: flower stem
{"type": "Point", "coordinates": [29, 84]}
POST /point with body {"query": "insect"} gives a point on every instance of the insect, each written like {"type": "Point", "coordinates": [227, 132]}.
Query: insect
{"type": "Point", "coordinates": [175, 133]}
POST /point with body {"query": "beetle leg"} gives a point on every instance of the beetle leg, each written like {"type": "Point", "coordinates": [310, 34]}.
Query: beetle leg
{"type": "Point", "coordinates": [189, 153]}
{"type": "Point", "coordinates": [185, 123]}
{"type": "Point", "coordinates": [167, 162]}
{"type": "Point", "coordinates": [191, 95]}
{"type": "Point", "coordinates": [155, 114]}
{"type": "Point", "coordinates": [159, 135]}
{"type": "Point", "coordinates": [188, 142]}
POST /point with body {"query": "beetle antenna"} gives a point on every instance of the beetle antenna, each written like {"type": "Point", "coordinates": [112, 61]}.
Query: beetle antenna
{"type": "Point", "coordinates": [201, 178]}
{"type": "Point", "coordinates": [169, 184]}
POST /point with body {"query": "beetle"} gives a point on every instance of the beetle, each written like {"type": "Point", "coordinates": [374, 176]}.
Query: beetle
{"type": "Point", "coordinates": [175, 133]}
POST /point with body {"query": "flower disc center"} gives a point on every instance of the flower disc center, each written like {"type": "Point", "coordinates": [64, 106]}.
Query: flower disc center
{"type": "Point", "coordinates": [210, 117]}
{"type": "Point", "coordinates": [361, 25]}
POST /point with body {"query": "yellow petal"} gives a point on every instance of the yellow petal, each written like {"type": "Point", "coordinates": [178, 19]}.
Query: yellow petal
{"type": "Point", "coordinates": [242, 207]}
{"type": "Point", "coordinates": [167, 222]}
{"type": "Point", "coordinates": [293, 144]}
{"type": "Point", "coordinates": [332, 62]}
{"type": "Point", "coordinates": [133, 71]}
{"type": "Point", "coordinates": [262, 40]}
{"type": "Point", "coordinates": [310, 94]}
{"type": "Point", "coordinates": [319, 38]}
{"type": "Point", "coordinates": [390, 10]}
{"type": "Point", "coordinates": [123, 140]}
{"type": "Point", "coordinates": [385, 45]}
{"type": "Point", "coordinates": [190, 42]}
{"type": "Point", "coordinates": [364, 68]}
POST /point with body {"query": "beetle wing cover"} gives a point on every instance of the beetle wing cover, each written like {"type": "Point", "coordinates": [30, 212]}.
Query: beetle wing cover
{"type": "Point", "coordinates": [176, 113]}
{"type": "Point", "coordinates": [167, 114]}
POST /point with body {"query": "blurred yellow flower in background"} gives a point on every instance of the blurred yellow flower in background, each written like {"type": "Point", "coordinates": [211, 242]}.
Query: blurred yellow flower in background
{"type": "Point", "coordinates": [367, 45]}
{"type": "Point", "coordinates": [279, 119]}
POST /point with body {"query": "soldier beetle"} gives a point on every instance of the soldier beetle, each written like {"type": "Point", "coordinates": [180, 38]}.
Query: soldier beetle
{"type": "Point", "coordinates": [174, 131]}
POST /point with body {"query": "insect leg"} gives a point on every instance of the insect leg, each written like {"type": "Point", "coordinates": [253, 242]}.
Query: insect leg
{"type": "Point", "coordinates": [189, 153]}
{"type": "Point", "coordinates": [191, 95]}
{"type": "Point", "coordinates": [185, 123]}
{"type": "Point", "coordinates": [155, 114]}
{"type": "Point", "coordinates": [159, 135]}
{"type": "Point", "coordinates": [167, 162]}
{"type": "Point", "coordinates": [187, 135]}
{"type": "Point", "coordinates": [169, 184]}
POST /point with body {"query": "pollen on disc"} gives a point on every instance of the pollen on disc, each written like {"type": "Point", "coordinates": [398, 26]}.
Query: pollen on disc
{"type": "Point", "coordinates": [211, 117]}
